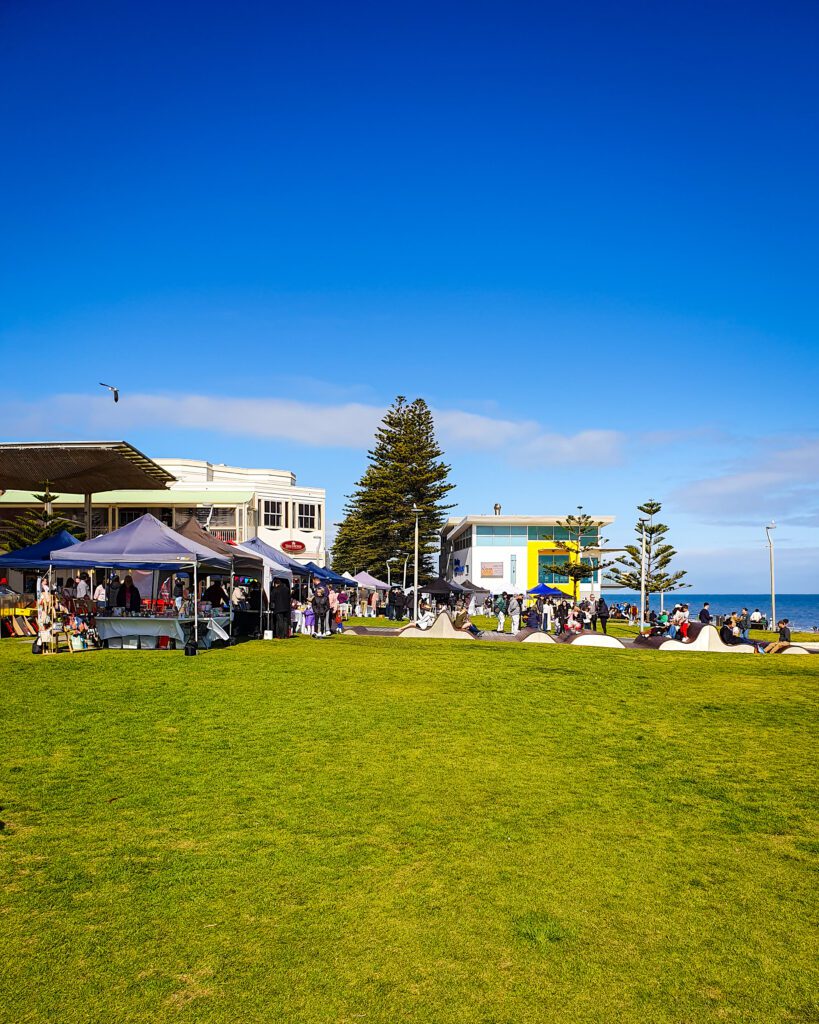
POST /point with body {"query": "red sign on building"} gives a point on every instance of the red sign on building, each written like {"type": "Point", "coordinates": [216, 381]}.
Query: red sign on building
{"type": "Point", "coordinates": [292, 547]}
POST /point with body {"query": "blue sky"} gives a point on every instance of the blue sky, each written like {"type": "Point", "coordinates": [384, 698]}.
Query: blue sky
{"type": "Point", "coordinates": [586, 234]}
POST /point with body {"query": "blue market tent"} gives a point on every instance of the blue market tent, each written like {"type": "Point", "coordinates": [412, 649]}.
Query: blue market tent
{"type": "Point", "coordinates": [143, 544]}
{"type": "Point", "coordinates": [38, 556]}
{"type": "Point", "coordinates": [542, 590]}
{"type": "Point", "coordinates": [258, 547]}
{"type": "Point", "coordinates": [329, 575]}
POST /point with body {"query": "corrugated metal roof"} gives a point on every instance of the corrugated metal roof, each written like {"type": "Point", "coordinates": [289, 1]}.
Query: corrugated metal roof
{"type": "Point", "coordinates": [142, 499]}
{"type": "Point", "coordinates": [85, 467]}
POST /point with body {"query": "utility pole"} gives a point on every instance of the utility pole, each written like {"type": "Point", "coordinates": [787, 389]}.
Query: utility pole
{"type": "Point", "coordinates": [768, 528]}
{"type": "Point", "coordinates": [416, 512]}
{"type": "Point", "coordinates": [643, 576]}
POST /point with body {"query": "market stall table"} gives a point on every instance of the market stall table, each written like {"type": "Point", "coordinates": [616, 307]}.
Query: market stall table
{"type": "Point", "coordinates": [143, 627]}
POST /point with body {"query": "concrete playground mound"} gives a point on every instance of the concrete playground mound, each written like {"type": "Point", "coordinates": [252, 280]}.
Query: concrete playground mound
{"type": "Point", "coordinates": [589, 638]}
{"type": "Point", "coordinates": [701, 638]}
{"type": "Point", "coordinates": [441, 629]}
{"type": "Point", "coordinates": [533, 636]}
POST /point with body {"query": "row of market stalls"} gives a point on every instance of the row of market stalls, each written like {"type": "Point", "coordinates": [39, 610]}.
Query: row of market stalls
{"type": "Point", "coordinates": [150, 546]}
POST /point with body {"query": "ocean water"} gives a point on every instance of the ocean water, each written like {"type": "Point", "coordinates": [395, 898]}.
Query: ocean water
{"type": "Point", "coordinates": [801, 609]}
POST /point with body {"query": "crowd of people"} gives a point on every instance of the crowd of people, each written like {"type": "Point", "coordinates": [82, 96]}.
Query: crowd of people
{"type": "Point", "coordinates": [557, 615]}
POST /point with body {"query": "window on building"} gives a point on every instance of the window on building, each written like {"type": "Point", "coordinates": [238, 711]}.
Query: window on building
{"type": "Point", "coordinates": [273, 514]}
{"type": "Point", "coordinates": [545, 565]}
{"type": "Point", "coordinates": [307, 517]}
{"type": "Point", "coordinates": [129, 515]}
{"type": "Point", "coordinates": [500, 536]}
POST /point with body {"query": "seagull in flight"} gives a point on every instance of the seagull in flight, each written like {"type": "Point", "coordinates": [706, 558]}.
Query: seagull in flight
{"type": "Point", "coordinates": [114, 391]}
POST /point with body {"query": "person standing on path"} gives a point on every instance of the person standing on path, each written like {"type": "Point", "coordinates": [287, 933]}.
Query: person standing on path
{"type": "Point", "coordinates": [500, 611]}
{"type": "Point", "coordinates": [514, 613]}
{"type": "Point", "coordinates": [603, 614]}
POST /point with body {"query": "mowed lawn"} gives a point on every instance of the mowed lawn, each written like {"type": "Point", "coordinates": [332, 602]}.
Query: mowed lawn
{"type": "Point", "coordinates": [375, 830]}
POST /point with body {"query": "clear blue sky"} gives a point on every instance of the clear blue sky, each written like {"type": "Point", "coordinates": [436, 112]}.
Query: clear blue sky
{"type": "Point", "coordinates": [586, 234]}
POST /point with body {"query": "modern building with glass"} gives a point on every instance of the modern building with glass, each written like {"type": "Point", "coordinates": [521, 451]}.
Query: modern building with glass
{"type": "Point", "coordinates": [515, 553]}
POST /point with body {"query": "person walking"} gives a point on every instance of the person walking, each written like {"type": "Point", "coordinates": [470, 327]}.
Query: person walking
{"type": "Point", "coordinates": [593, 613]}
{"type": "Point", "coordinates": [603, 614]}
{"type": "Point", "coordinates": [514, 613]}
{"type": "Point", "coordinates": [400, 603]}
{"type": "Point", "coordinates": [744, 623]}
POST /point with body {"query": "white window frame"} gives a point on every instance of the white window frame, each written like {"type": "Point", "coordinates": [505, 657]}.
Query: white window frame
{"type": "Point", "coordinates": [267, 513]}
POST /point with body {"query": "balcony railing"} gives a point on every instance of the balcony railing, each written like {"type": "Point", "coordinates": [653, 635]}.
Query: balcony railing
{"type": "Point", "coordinates": [224, 533]}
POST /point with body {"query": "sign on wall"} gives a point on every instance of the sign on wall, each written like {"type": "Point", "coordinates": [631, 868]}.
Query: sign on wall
{"type": "Point", "coordinates": [292, 547]}
{"type": "Point", "coordinates": [491, 570]}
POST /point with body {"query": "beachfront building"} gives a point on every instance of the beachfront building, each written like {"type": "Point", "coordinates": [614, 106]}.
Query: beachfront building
{"type": "Point", "coordinates": [514, 553]}
{"type": "Point", "coordinates": [234, 504]}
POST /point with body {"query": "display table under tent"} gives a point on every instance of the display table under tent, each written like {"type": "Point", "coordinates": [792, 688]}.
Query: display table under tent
{"type": "Point", "coordinates": [138, 631]}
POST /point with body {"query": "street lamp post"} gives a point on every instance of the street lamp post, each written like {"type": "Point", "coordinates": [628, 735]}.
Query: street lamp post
{"type": "Point", "coordinates": [416, 512]}
{"type": "Point", "coordinates": [643, 576]}
{"type": "Point", "coordinates": [768, 528]}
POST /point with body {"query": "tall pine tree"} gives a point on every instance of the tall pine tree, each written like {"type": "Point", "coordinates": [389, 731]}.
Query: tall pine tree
{"type": "Point", "coordinates": [406, 469]}
{"type": "Point", "coordinates": [659, 554]}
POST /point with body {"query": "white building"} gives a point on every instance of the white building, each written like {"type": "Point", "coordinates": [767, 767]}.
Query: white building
{"type": "Point", "coordinates": [514, 553]}
{"type": "Point", "coordinates": [235, 503]}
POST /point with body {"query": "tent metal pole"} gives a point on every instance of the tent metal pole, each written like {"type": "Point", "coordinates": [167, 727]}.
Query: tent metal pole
{"type": "Point", "coordinates": [230, 597]}
{"type": "Point", "coordinates": [196, 603]}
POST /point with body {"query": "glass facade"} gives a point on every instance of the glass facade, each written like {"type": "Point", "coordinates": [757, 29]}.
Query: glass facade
{"type": "Point", "coordinates": [500, 536]}
{"type": "Point", "coordinates": [545, 564]}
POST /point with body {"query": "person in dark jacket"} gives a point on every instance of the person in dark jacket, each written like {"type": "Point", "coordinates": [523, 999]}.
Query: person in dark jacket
{"type": "Point", "coordinates": [128, 596]}
{"type": "Point", "coordinates": [603, 614]}
{"type": "Point", "coordinates": [321, 610]}
{"type": "Point", "coordinates": [400, 602]}
{"type": "Point", "coordinates": [705, 615]}
{"type": "Point", "coordinates": [280, 606]}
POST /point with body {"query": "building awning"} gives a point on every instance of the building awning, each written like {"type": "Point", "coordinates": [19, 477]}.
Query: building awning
{"type": "Point", "coordinates": [81, 467]}
{"type": "Point", "coordinates": [144, 499]}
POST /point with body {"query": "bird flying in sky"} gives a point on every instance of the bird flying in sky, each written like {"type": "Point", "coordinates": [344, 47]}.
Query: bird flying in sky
{"type": "Point", "coordinates": [114, 391]}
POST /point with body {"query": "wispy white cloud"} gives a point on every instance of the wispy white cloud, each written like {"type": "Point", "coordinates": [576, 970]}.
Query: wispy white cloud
{"type": "Point", "coordinates": [769, 481]}
{"type": "Point", "coordinates": [322, 425]}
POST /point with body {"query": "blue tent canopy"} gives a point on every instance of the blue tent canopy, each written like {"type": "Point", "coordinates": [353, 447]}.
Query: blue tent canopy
{"type": "Point", "coordinates": [329, 575]}
{"type": "Point", "coordinates": [542, 590]}
{"type": "Point", "coordinates": [38, 556]}
{"type": "Point", "coordinates": [259, 547]}
{"type": "Point", "coordinates": [143, 544]}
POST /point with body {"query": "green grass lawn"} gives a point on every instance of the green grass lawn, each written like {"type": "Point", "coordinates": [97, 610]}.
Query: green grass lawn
{"type": "Point", "coordinates": [383, 831]}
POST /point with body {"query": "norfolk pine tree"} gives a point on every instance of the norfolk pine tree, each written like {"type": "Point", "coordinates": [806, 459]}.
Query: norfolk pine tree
{"type": "Point", "coordinates": [405, 468]}
{"type": "Point", "coordinates": [659, 554]}
{"type": "Point", "coordinates": [580, 527]}
{"type": "Point", "coordinates": [33, 525]}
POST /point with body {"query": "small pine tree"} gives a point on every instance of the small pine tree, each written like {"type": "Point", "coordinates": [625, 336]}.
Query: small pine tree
{"type": "Point", "coordinates": [659, 554]}
{"type": "Point", "coordinates": [33, 525]}
{"type": "Point", "coordinates": [406, 469]}
{"type": "Point", "coordinates": [580, 528]}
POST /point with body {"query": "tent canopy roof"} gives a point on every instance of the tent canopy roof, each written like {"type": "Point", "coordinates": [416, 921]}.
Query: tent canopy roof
{"type": "Point", "coordinates": [276, 569]}
{"type": "Point", "coordinates": [82, 467]}
{"type": "Point", "coordinates": [364, 579]}
{"type": "Point", "coordinates": [38, 556]}
{"type": "Point", "coordinates": [544, 590]}
{"type": "Point", "coordinates": [441, 586]}
{"type": "Point", "coordinates": [258, 547]}
{"type": "Point", "coordinates": [244, 563]}
{"type": "Point", "coordinates": [145, 544]}
{"type": "Point", "coordinates": [329, 575]}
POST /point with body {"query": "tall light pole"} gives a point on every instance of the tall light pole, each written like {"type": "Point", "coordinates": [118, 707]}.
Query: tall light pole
{"type": "Point", "coordinates": [643, 576]}
{"type": "Point", "coordinates": [768, 528]}
{"type": "Point", "coordinates": [389, 570]}
{"type": "Point", "coordinates": [416, 512]}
